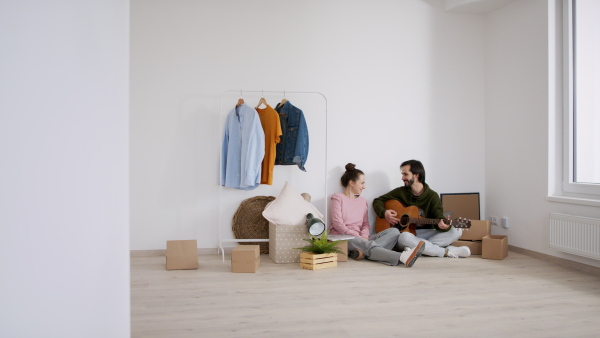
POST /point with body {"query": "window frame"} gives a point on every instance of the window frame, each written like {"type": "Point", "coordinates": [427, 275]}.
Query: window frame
{"type": "Point", "coordinates": [569, 187]}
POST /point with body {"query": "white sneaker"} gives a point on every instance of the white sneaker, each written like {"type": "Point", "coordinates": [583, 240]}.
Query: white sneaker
{"type": "Point", "coordinates": [409, 256]}
{"type": "Point", "coordinates": [458, 251]}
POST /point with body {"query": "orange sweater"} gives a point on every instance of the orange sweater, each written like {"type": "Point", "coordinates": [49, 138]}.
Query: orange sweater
{"type": "Point", "coordinates": [269, 119]}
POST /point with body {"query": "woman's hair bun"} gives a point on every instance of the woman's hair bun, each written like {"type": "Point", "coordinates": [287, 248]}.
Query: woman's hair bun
{"type": "Point", "coordinates": [351, 174]}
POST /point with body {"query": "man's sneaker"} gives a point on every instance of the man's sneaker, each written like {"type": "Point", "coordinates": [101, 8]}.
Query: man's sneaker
{"type": "Point", "coordinates": [409, 257]}
{"type": "Point", "coordinates": [356, 254]}
{"type": "Point", "coordinates": [457, 251]}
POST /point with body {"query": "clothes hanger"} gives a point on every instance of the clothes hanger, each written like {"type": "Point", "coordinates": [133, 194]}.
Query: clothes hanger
{"type": "Point", "coordinates": [240, 100]}
{"type": "Point", "coordinates": [262, 101]}
{"type": "Point", "coordinates": [279, 105]}
{"type": "Point", "coordinates": [284, 99]}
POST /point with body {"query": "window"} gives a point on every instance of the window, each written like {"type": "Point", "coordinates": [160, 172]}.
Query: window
{"type": "Point", "coordinates": [581, 60]}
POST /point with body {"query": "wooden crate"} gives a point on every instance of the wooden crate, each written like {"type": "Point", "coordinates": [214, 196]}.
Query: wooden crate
{"type": "Point", "coordinates": [310, 261]}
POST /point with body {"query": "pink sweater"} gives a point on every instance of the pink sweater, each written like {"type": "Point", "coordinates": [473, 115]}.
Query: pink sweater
{"type": "Point", "coordinates": [349, 216]}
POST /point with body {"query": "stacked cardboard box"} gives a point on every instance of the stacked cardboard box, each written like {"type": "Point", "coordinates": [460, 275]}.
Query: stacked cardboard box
{"type": "Point", "coordinates": [245, 258]}
{"type": "Point", "coordinates": [481, 242]}
{"type": "Point", "coordinates": [473, 237]}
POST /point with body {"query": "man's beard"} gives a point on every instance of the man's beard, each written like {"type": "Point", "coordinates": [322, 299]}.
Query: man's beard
{"type": "Point", "coordinates": [409, 183]}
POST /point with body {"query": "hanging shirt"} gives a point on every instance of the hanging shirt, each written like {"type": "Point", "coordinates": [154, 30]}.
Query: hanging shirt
{"type": "Point", "coordinates": [269, 119]}
{"type": "Point", "coordinates": [293, 148]}
{"type": "Point", "coordinates": [243, 149]}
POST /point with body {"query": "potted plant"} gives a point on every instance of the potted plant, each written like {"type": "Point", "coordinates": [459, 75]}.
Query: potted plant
{"type": "Point", "coordinates": [320, 253]}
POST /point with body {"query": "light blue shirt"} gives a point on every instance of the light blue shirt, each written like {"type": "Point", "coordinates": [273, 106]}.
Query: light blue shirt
{"type": "Point", "coordinates": [243, 149]}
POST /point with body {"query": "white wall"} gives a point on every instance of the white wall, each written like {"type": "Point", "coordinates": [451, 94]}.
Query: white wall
{"type": "Point", "coordinates": [402, 79]}
{"type": "Point", "coordinates": [516, 126]}
{"type": "Point", "coordinates": [64, 240]}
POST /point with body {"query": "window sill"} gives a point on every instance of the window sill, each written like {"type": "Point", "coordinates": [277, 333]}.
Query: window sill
{"type": "Point", "coordinates": [574, 200]}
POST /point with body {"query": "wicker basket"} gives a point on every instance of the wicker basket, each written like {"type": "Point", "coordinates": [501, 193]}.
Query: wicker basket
{"type": "Point", "coordinates": [249, 223]}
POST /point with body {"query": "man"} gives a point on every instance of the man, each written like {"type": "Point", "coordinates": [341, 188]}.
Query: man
{"type": "Point", "coordinates": [416, 192]}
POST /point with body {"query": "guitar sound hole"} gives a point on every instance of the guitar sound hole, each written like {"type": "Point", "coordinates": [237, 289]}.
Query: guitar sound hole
{"type": "Point", "coordinates": [404, 220]}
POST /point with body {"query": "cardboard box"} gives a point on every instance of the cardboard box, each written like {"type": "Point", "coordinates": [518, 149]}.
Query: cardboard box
{"type": "Point", "coordinates": [495, 247]}
{"type": "Point", "coordinates": [478, 230]}
{"type": "Point", "coordinates": [182, 255]}
{"type": "Point", "coordinates": [343, 245]}
{"type": "Point", "coordinates": [474, 246]}
{"type": "Point", "coordinates": [245, 258]}
{"type": "Point", "coordinates": [283, 241]}
{"type": "Point", "coordinates": [465, 205]}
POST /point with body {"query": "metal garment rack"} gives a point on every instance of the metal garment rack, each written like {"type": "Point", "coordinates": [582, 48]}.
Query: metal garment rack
{"type": "Point", "coordinates": [220, 249]}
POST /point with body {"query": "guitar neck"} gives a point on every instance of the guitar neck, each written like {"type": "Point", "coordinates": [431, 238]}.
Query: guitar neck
{"type": "Point", "coordinates": [418, 220]}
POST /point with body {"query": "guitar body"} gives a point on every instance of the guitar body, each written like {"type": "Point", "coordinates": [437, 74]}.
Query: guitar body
{"type": "Point", "coordinates": [404, 214]}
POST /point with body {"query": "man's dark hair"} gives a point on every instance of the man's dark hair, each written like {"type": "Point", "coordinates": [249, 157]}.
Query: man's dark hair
{"type": "Point", "coordinates": [416, 167]}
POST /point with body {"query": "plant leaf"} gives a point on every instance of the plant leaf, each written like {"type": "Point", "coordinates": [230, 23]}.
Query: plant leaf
{"type": "Point", "coordinates": [320, 245]}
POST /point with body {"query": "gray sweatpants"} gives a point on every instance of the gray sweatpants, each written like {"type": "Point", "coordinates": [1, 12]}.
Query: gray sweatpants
{"type": "Point", "coordinates": [379, 246]}
{"type": "Point", "coordinates": [435, 241]}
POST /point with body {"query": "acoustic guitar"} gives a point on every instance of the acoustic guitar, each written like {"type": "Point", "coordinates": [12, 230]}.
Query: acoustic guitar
{"type": "Point", "coordinates": [411, 221]}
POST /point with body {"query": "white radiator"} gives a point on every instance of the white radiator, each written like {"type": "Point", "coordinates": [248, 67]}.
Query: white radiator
{"type": "Point", "coordinates": [575, 235]}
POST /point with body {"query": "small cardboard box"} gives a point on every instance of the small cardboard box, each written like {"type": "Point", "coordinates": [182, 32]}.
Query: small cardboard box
{"type": "Point", "coordinates": [182, 255]}
{"type": "Point", "coordinates": [245, 258]}
{"type": "Point", "coordinates": [474, 246]}
{"type": "Point", "coordinates": [343, 245]}
{"type": "Point", "coordinates": [495, 247]}
{"type": "Point", "coordinates": [283, 241]}
{"type": "Point", "coordinates": [477, 231]}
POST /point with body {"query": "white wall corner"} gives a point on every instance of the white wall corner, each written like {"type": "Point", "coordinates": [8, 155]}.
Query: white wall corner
{"type": "Point", "coordinates": [474, 6]}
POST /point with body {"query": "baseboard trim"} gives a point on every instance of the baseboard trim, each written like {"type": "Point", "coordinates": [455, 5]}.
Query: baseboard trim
{"type": "Point", "coordinates": [556, 260]}
{"type": "Point", "coordinates": [535, 254]}
{"type": "Point", "coordinates": [153, 253]}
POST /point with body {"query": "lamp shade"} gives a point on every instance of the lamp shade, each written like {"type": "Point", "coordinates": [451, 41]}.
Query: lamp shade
{"type": "Point", "coordinates": [314, 225]}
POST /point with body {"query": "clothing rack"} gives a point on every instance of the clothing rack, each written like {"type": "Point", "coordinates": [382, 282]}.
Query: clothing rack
{"type": "Point", "coordinates": [222, 240]}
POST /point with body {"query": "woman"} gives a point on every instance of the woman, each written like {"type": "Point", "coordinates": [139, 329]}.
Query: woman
{"type": "Point", "coordinates": [349, 216]}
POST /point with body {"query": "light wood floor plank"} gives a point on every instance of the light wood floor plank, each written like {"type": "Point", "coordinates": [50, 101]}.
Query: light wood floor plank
{"type": "Point", "coordinates": [520, 296]}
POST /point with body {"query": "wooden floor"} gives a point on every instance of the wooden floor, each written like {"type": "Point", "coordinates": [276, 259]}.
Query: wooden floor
{"type": "Point", "coordinates": [519, 296]}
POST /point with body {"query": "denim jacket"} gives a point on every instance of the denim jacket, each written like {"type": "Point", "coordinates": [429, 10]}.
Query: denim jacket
{"type": "Point", "coordinates": [293, 147]}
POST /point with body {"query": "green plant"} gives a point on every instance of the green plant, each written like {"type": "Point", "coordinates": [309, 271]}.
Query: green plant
{"type": "Point", "coordinates": [320, 245]}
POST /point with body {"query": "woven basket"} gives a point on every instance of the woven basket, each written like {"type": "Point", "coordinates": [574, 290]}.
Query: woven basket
{"type": "Point", "coordinates": [249, 223]}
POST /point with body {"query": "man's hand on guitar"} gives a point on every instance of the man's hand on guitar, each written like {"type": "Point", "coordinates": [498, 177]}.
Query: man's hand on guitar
{"type": "Point", "coordinates": [390, 216]}
{"type": "Point", "coordinates": [445, 224]}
